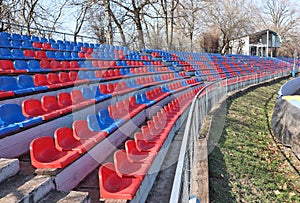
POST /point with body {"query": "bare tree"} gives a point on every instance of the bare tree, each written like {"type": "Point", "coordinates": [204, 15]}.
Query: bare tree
{"type": "Point", "coordinates": [189, 20]}
{"type": "Point", "coordinates": [231, 17]}
{"type": "Point", "coordinates": [135, 10]}
{"type": "Point", "coordinates": [282, 16]}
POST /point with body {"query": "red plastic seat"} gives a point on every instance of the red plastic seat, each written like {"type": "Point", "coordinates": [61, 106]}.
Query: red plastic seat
{"type": "Point", "coordinates": [37, 45]}
{"type": "Point", "coordinates": [53, 80]}
{"type": "Point", "coordinates": [44, 64]}
{"type": "Point", "coordinates": [65, 141]}
{"type": "Point", "coordinates": [55, 65]}
{"type": "Point", "coordinates": [127, 168]}
{"type": "Point", "coordinates": [144, 145]}
{"type": "Point", "coordinates": [29, 53]}
{"type": "Point", "coordinates": [39, 55]}
{"type": "Point", "coordinates": [33, 108]}
{"type": "Point", "coordinates": [65, 65]}
{"type": "Point", "coordinates": [50, 104]}
{"type": "Point", "coordinates": [43, 154]}
{"type": "Point", "coordinates": [82, 131]}
{"type": "Point", "coordinates": [158, 139]}
{"type": "Point", "coordinates": [64, 100]}
{"type": "Point", "coordinates": [46, 46]}
{"type": "Point", "coordinates": [135, 155]}
{"type": "Point", "coordinates": [74, 65]}
{"type": "Point", "coordinates": [114, 187]}
{"type": "Point", "coordinates": [40, 80]}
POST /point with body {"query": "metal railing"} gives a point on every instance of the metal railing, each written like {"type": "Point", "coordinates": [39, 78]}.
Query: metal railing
{"type": "Point", "coordinates": [21, 29]}
{"type": "Point", "coordinates": [185, 182]}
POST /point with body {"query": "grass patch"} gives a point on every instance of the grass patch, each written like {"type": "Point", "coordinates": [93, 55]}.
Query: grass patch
{"type": "Point", "coordinates": [246, 165]}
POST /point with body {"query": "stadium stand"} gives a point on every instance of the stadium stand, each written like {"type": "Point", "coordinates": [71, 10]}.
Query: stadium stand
{"type": "Point", "coordinates": [94, 98]}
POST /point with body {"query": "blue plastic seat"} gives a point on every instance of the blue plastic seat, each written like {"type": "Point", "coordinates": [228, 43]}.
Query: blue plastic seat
{"type": "Point", "coordinates": [5, 53]}
{"type": "Point", "coordinates": [55, 46]}
{"type": "Point", "coordinates": [12, 114]}
{"type": "Point", "coordinates": [4, 43]}
{"type": "Point", "coordinates": [67, 55]}
{"type": "Point", "coordinates": [74, 55]}
{"type": "Point", "coordinates": [21, 65]}
{"type": "Point", "coordinates": [16, 44]}
{"type": "Point", "coordinates": [62, 47]}
{"type": "Point", "coordinates": [69, 47]}
{"type": "Point", "coordinates": [25, 38]}
{"type": "Point", "coordinates": [9, 83]}
{"type": "Point", "coordinates": [50, 54]}
{"type": "Point", "coordinates": [35, 38]}
{"type": "Point", "coordinates": [27, 45]}
{"type": "Point", "coordinates": [26, 82]}
{"type": "Point", "coordinates": [60, 55]}
{"type": "Point", "coordinates": [17, 54]}
{"type": "Point", "coordinates": [43, 39]}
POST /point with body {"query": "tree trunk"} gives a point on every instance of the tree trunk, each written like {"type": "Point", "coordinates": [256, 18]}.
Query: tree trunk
{"type": "Point", "coordinates": [109, 36]}
{"type": "Point", "coordinates": [141, 42]}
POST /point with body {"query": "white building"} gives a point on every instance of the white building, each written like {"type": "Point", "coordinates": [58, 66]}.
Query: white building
{"type": "Point", "coordinates": [263, 43]}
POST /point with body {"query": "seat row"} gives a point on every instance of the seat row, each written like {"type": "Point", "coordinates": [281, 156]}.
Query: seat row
{"type": "Point", "coordinates": [122, 178]}
{"type": "Point", "coordinates": [53, 106]}
{"type": "Point", "coordinates": [69, 143]}
{"type": "Point", "coordinates": [25, 84]}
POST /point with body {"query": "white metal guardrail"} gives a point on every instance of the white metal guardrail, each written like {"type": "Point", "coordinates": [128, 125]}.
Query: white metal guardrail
{"type": "Point", "coordinates": [185, 182]}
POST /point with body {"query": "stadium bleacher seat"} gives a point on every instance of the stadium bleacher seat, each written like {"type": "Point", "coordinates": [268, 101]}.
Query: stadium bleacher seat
{"type": "Point", "coordinates": [125, 168]}
{"type": "Point", "coordinates": [114, 187]}
{"type": "Point", "coordinates": [65, 141]}
{"type": "Point", "coordinates": [44, 154]}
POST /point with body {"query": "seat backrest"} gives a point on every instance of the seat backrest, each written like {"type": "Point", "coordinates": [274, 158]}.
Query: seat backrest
{"type": "Point", "coordinates": [32, 107]}
{"type": "Point", "coordinates": [53, 78]}
{"type": "Point", "coordinates": [11, 113]}
{"type": "Point", "coordinates": [40, 80]}
{"type": "Point", "coordinates": [65, 65]}
{"type": "Point", "coordinates": [76, 96]}
{"type": "Point", "coordinates": [17, 53]}
{"type": "Point", "coordinates": [64, 99]}
{"type": "Point", "coordinates": [42, 149]}
{"type": "Point", "coordinates": [20, 65]}
{"type": "Point", "coordinates": [29, 53]}
{"type": "Point", "coordinates": [73, 75]}
{"type": "Point", "coordinates": [34, 65]}
{"type": "Point", "coordinates": [63, 138]}
{"type": "Point", "coordinates": [104, 117]}
{"type": "Point", "coordinates": [25, 81]}
{"type": "Point", "coordinates": [6, 65]}
{"type": "Point", "coordinates": [55, 65]}
{"type": "Point", "coordinates": [50, 103]}
{"type": "Point", "coordinates": [8, 83]}
{"type": "Point", "coordinates": [93, 122]}
{"type": "Point", "coordinates": [64, 77]}
{"type": "Point", "coordinates": [45, 64]}
{"type": "Point", "coordinates": [5, 53]}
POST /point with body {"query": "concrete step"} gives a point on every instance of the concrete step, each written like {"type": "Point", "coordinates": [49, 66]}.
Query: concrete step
{"type": "Point", "coordinates": [8, 168]}
{"type": "Point", "coordinates": [66, 197]}
{"type": "Point", "coordinates": [25, 188]}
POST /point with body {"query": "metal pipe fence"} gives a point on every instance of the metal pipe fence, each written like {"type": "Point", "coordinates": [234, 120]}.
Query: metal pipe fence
{"type": "Point", "coordinates": [185, 182]}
